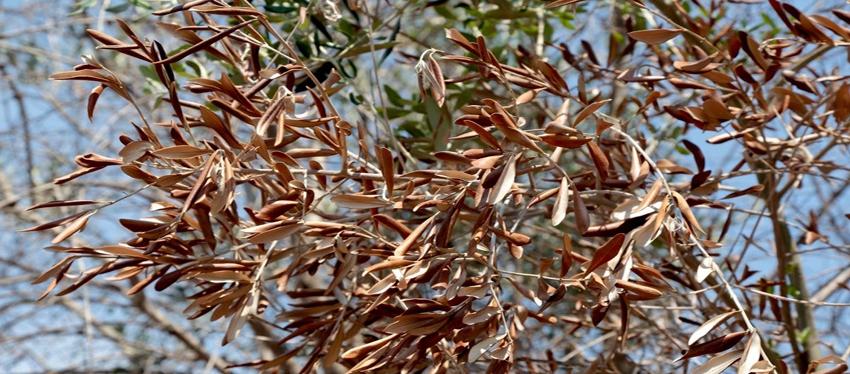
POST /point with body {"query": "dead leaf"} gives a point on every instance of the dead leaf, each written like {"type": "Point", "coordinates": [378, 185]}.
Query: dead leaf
{"type": "Point", "coordinates": [411, 239]}
{"type": "Point", "coordinates": [714, 346]}
{"type": "Point", "coordinates": [642, 291]}
{"type": "Point", "coordinates": [588, 110]}
{"type": "Point", "coordinates": [582, 216]}
{"type": "Point", "coordinates": [599, 160]}
{"type": "Point", "coordinates": [385, 162]}
{"type": "Point", "coordinates": [74, 227]}
{"type": "Point", "coordinates": [606, 252]}
{"type": "Point", "coordinates": [707, 326]}
{"type": "Point", "coordinates": [61, 203]}
{"type": "Point", "coordinates": [480, 348]}
{"type": "Point", "coordinates": [718, 364]}
{"type": "Point", "coordinates": [360, 201]}
{"type": "Point", "coordinates": [179, 152]}
{"type": "Point", "coordinates": [559, 211]}
{"type": "Point", "coordinates": [687, 213]}
{"type": "Point", "coordinates": [654, 36]}
{"type": "Point", "coordinates": [505, 182]}
{"type": "Point", "coordinates": [751, 355]}
{"type": "Point", "coordinates": [566, 255]}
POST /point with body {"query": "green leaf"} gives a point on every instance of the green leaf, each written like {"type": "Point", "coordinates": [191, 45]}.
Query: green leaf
{"type": "Point", "coordinates": [118, 8]}
{"type": "Point", "coordinates": [439, 120]}
{"type": "Point", "coordinates": [445, 11]}
{"type": "Point", "coordinates": [284, 9]}
{"type": "Point", "coordinates": [394, 96]}
{"type": "Point", "coordinates": [413, 128]}
{"type": "Point", "coordinates": [803, 336]}
{"type": "Point", "coordinates": [81, 6]}
{"type": "Point", "coordinates": [144, 4]}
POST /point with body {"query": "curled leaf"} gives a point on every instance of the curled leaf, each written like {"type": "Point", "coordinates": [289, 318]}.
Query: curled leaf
{"type": "Point", "coordinates": [559, 211]}
{"type": "Point", "coordinates": [74, 227]}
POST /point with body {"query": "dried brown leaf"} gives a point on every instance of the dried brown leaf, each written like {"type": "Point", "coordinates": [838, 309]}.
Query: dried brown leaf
{"type": "Point", "coordinates": [654, 36]}
{"type": "Point", "coordinates": [559, 210]}
{"type": "Point", "coordinates": [707, 326]}
{"type": "Point", "coordinates": [606, 253]}
{"type": "Point", "coordinates": [74, 227]}
{"type": "Point", "coordinates": [360, 201]}
{"type": "Point", "coordinates": [505, 181]}
{"type": "Point", "coordinates": [179, 152]}
{"type": "Point", "coordinates": [411, 239]}
{"type": "Point", "coordinates": [588, 110]}
{"type": "Point", "coordinates": [751, 355]}
{"type": "Point", "coordinates": [714, 346]}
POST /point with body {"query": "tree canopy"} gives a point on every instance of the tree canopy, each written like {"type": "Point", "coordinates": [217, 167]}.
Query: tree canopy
{"type": "Point", "coordinates": [469, 186]}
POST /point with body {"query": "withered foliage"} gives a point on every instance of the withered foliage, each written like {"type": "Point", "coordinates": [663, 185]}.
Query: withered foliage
{"type": "Point", "coordinates": [527, 220]}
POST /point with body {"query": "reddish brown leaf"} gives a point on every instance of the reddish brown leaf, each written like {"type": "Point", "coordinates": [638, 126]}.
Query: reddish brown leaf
{"type": "Point", "coordinates": [606, 253]}
{"type": "Point", "coordinates": [582, 216]}
{"type": "Point", "coordinates": [599, 159]}
{"type": "Point", "coordinates": [60, 203]}
{"type": "Point", "coordinates": [714, 346]}
{"type": "Point", "coordinates": [385, 161]}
